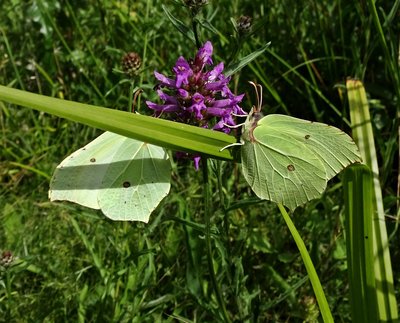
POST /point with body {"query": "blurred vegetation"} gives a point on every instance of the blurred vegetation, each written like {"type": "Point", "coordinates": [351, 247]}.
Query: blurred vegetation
{"type": "Point", "coordinates": [72, 264]}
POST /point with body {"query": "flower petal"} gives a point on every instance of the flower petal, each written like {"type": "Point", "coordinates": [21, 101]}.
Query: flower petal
{"type": "Point", "coordinates": [203, 56]}
{"type": "Point", "coordinates": [196, 161]}
{"type": "Point", "coordinates": [182, 71]}
{"type": "Point", "coordinates": [163, 107]}
{"type": "Point", "coordinates": [165, 80]}
{"type": "Point", "coordinates": [215, 72]}
{"type": "Point", "coordinates": [167, 98]}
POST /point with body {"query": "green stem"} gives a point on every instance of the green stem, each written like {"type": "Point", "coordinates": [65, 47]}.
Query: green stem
{"type": "Point", "coordinates": [195, 28]}
{"type": "Point", "coordinates": [9, 294]}
{"type": "Point", "coordinates": [207, 216]}
{"type": "Point", "coordinates": [312, 274]}
{"type": "Point", "coordinates": [130, 108]}
{"type": "Point", "coordinates": [223, 203]}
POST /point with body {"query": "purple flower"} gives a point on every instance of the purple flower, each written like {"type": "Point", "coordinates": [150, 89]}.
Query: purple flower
{"type": "Point", "coordinates": [198, 94]}
{"type": "Point", "coordinates": [182, 71]}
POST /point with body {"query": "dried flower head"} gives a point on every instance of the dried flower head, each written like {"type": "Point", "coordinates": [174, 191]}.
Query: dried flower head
{"type": "Point", "coordinates": [6, 259]}
{"type": "Point", "coordinates": [243, 24]}
{"type": "Point", "coordinates": [198, 95]}
{"type": "Point", "coordinates": [131, 63]}
{"type": "Point", "coordinates": [195, 4]}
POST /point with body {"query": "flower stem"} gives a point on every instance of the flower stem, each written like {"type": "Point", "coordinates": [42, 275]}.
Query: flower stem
{"type": "Point", "coordinates": [312, 274]}
{"type": "Point", "coordinates": [207, 216]}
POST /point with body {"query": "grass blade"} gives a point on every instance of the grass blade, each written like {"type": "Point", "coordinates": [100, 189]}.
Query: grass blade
{"type": "Point", "coordinates": [364, 137]}
{"type": "Point", "coordinates": [312, 273]}
{"type": "Point", "coordinates": [233, 68]}
{"type": "Point", "coordinates": [358, 194]}
{"type": "Point", "coordinates": [169, 134]}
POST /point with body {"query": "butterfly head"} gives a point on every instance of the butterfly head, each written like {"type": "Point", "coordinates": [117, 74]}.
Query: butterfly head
{"type": "Point", "coordinates": [255, 113]}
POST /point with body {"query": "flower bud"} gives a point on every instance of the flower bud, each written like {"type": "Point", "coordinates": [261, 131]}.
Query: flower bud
{"type": "Point", "coordinates": [6, 259]}
{"type": "Point", "coordinates": [195, 4]}
{"type": "Point", "coordinates": [243, 24]}
{"type": "Point", "coordinates": [131, 63]}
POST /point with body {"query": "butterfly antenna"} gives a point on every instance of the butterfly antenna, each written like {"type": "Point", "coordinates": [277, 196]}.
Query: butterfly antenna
{"type": "Point", "coordinates": [258, 88]}
{"type": "Point", "coordinates": [135, 97]}
{"type": "Point", "coordinates": [260, 96]}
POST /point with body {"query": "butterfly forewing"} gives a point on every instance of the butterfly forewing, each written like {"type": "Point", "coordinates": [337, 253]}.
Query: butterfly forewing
{"type": "Point", "coordinates": [332, 146]}
{"type": "Point", "coordinates": [288, 160]}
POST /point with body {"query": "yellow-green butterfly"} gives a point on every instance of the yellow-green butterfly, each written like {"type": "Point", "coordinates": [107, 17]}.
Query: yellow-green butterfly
{"type": "Point", "coordinates": [288, 160]}
{"type": "Point", "coordinates": [123, 177]}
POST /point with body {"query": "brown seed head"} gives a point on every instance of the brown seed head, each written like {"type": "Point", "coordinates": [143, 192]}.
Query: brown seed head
{"type": "Point", "coordinates": [131, 63]}
{"type": "Point", "coordinates": [195, 4]}
{"type": "Point", "coordinates": [243, 24]}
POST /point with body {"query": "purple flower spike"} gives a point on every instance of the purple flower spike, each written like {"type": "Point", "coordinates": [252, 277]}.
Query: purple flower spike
{"type": "Point", "coordinates": [198, 96]}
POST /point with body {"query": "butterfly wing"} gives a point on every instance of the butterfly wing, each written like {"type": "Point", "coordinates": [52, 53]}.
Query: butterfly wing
{"type": "Point", "coordinates": [288, 160]}
{"type": "Point", "coordinates": [282, 171]}
{"type": "Point", "coordinates": [78, 178]}
{"type": "Point", "coordinates": [123, 177]}
{"type": "Point", "coordinates": [332, 146]}
{"type": "Point", "coordinates": [135, 187]}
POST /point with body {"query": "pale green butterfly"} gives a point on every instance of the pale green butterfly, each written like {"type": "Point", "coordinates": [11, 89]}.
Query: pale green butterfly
{"type": "Point", "coordinates": [123, 177]}
{"type": "Point", "coordinates": [288, 160]}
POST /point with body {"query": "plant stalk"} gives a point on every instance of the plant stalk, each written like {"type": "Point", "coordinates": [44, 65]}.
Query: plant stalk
{"type": "Point", "coordinates": [312, 274]}
{"type": "Point", "coordinates": [207, 216]}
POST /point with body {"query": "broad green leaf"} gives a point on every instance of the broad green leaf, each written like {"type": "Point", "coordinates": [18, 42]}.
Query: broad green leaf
{"type": "Point", "coordinates": [123, 177]}
{"type": "Point", "coordinates": [288, 160]}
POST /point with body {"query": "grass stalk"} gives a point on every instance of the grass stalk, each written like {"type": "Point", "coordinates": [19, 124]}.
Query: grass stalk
{"type": "Point", "coordinates": [358, 195]}
{"type": "Point", "coordinates": [312, 273]}
{"type": "Point", "coordinates": [207, 216]}
{"type": "Point", "coordinates": [364, 137]}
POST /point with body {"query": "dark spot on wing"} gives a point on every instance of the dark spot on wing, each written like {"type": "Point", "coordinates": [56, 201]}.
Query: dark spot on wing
{"type": "Point", "coordinates": [290, 168]}
{"type": "Point", "coordinates": [307, 137]}
{"type": "Point", "coordinates": [126, 184]}
{"type": "Point", "coordinates": [92, 160]}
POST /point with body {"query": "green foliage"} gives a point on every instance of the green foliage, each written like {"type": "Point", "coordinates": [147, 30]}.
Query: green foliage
{"type": "Point", "coordinates": [74, 265]}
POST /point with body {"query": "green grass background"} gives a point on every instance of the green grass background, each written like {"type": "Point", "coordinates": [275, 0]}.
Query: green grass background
{"type": "Point", "coordinates": [76, 265]}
